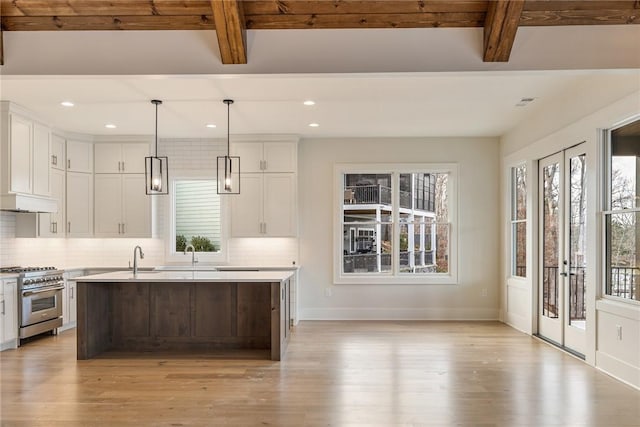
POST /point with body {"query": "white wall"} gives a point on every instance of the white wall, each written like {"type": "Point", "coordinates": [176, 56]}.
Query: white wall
{"type": "Point", "coordinates": [478, 209]}
{"type": "Point", "coordinates": [618, 357]}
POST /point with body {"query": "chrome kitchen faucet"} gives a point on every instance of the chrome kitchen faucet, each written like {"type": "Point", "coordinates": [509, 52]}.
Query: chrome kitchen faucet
{"type": "Point", "coordinates": [135, 259]}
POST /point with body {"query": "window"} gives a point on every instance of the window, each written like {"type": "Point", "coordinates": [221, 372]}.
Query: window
{"type": "Point", "coordinates": [196, 219]}
{"type": "Point", "coordinates": [622, 215]}
{"type": "Point", "coordinates": [519, 221]}
{"type": "Point", "coordinates": [395, 224]}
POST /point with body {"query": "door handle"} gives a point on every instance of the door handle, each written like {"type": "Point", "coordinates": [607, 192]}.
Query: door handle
{"type": "Point", "coordinates": [564, 274]}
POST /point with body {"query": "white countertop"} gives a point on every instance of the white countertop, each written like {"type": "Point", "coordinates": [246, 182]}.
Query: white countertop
{"type": "Point", "coordinates": [188, 276]}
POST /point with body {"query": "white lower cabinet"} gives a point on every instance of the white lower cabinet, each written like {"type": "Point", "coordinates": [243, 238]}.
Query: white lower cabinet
{"type": "Point", "coordinates": [122, 209]}
{"type": "Point", "coordinates": [79, 204]}
{"type": "Point", "coordinates": [69, 297]}
{"type": "Point", "coordinates": [9, 314]}
{"type": "Point", "coordinates": [266, 206]}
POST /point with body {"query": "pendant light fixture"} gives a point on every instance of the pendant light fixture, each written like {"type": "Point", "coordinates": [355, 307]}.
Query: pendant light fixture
{"type": "Point", "coordinates": [228, 167]}
{"type": "Point", "coordinates": [156, 169]}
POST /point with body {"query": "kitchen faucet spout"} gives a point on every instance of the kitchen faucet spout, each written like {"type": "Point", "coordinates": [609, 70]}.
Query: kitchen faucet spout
{"type": "Point", "coordinates": [193, 255]}
{"type": "Point", "coordinates": [135, 259]}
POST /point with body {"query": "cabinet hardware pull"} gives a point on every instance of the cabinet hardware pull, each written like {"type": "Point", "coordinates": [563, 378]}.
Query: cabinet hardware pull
{"type": "Point", "coordinates": [51, 228]}
{"type": "Point", "coordinates": [265, 228]}
{"type": "Point", "coordinates": [68, 163]}
{"type": "Point", "coordinates": [69, 227]}
{"type": "Point", "coordinates": [3, 308]}
{"type": "Point", "coordinates": [55, 227]}
{"type": "Point", "coordinates": [71, 289]}
{"type": "Point", "coordinates": [265, 165]}
{"type": "Point", "coordinates": [53, 160]}
{"type": "Point", "coordinates": [123, 166]}
{"type": "Point", "coordinates": [118, 166]}
{"type": "Point", "coordinates": [123, 228]}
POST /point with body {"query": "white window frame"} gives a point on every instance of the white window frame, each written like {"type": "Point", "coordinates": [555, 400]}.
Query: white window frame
{"type": "Point", "coordinates": [395, 277]}
{"type": "Point", "coordinates": [173, 257]}
{"type": "Point", "coordinates": [607, 212]}
{"type": "Point", "coordinates": [514, 221]}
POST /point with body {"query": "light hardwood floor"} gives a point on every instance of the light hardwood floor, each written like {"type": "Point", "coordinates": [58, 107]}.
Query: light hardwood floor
{"type": "Point", "coordinates": [334, 374]}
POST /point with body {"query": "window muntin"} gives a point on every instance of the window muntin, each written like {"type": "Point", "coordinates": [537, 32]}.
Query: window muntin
{"type": "Point", "coordinates": [622, 218]}
{"type": "Point", "coordinates": [519, 221]}
{"type": "Point", "coordinates": [406, 215]}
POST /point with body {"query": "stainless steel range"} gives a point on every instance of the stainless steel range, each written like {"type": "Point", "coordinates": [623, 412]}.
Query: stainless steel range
{"type": "Point", "coordinates": [39, 299]}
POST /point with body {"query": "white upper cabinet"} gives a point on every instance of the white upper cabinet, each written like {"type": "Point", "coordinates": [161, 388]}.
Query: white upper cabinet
{"type": "Point", "coordinates": [265, 207]}
{"type": "Point", "coordinates": [121, 207]}
{"type": "Point", "coordinates": [120, 158]}
{"type": "Point", "coordinates": [58, 157]}
{"type": "Point", "coordinates": [53, 224]}
{"type": "Point", "coordinates": [41, 160]}
{"type": "Point", "coordinates": [79, 204]}
{"type": "Point", "coordinates": [274, 156]}
{"type": "Point", "coordinates": [79, 156]}
{"type": "Point", "coordinates": [20, 148]}
{"type": "Point", "coordinates": [28, 149]}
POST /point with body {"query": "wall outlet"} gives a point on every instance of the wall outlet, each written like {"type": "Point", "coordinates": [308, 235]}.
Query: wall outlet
{"type": "Point", "coordinates": [484, 292]}
{"type": "Point", "coordinates": [327, 292]}
{"type": "Point", "coordinates": [619, 332]}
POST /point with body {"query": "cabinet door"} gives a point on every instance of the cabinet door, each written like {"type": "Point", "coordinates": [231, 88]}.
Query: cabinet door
{"type": "Point", "coordinates": [280, 205]}
{"type": "Point", "coordinates": [79, 156]}
{"type": "Point", "coordinates": [136, 205]}
{"type": "Point", "coordinates": [53, 224]}
{"type": "Point", "coordinates": [246, 207]}
{"type": "Point", "coordinates": [108, 205]}
{"type": "Point", "coordinates": [280, 157]}
{"type": "Point", "coordinates": [108, 158]}
{"type": "Point", "coordinates": [58, 158]}
{"type": "Point", "coordinates": [133, 155]}
{"type": "Point", "coordinates": [71, 295]}
{"type": "Point", "coordinates": [79, 204]}
{"type": "Point", "coordinates": [20, 135]}
{"type": "Point", "coordinates": [41, 160]}
{"type": "Point", "coordinates": [250, 156]}
{"type": "Point", "coordinates": [10, 314]}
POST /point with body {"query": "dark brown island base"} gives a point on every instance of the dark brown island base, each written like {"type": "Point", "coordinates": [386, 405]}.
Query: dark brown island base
{"type": "Point", "coordinates": [184, 312]}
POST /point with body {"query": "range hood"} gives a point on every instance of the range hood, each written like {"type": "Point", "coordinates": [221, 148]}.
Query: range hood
{"type": "Point", "coordinates": [19, 202]}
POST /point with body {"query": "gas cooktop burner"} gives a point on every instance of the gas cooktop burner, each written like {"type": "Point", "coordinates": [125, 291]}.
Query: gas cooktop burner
{"type": "Point", "coordinates": [24, 269]}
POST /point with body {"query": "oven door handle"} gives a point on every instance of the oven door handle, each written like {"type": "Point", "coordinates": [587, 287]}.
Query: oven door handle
{"type": "Point", "coordinates": [27, 293]}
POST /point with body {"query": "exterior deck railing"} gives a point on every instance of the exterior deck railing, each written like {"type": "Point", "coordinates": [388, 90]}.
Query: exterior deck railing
{"type": "Point", "coordinates": [624, 282]}
{"type": "Point", "coordinates": [551, 294]}
{"type": "Point", "coordinates": [368, 263]}
{"type": "Point", "coordinates": [374, 195]}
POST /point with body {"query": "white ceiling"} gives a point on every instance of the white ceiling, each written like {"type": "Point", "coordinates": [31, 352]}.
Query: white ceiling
{"type": "Point", "coordinates": [366, 83]}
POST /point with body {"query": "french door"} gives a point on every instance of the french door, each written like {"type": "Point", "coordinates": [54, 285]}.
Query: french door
{"type": "Point", "coordinates": [562, 242]}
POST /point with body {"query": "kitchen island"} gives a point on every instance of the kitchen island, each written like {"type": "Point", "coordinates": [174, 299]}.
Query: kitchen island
{"type": "Point", "coordinates": [169, 312]}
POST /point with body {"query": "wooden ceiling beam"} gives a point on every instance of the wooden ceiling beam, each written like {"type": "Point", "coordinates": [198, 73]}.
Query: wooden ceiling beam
{"type": "Point", "coordinates": [307, 7]}
{"type": "Point", "coordinates": [230, 30]}
{"type": "Point", "coordinates": [534, 18]}
{"type": "Point", "coordinates": [104, 8]}
{"type": "Point", "coordinates": [500, 27]}
{"type": "Point", "coordinates": [107, 23]}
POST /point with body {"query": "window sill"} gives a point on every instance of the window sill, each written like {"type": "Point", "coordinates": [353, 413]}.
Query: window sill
{"type": "Point", "coordinates": [394, 280]}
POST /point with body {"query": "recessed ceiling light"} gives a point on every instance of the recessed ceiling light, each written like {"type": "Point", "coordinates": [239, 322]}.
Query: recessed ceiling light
{"type": "Point", "coordinates": [211, 125]}
{"type": "Point", "coordinates": [110, 126]}
{"type": "Point", "coordinates": [313, 125]}
{"type": "Point", "coordinates": [309, 102]}
{"type": "Point", "coordinates": [67, 104]}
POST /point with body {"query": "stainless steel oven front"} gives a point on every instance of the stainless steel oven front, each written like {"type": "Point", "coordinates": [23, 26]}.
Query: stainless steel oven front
{"type": "Point", "coordinates": [40, 305]}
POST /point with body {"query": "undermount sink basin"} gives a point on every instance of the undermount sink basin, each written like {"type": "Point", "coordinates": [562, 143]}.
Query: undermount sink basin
{"type": "Point", "coordinates": [186, 268]}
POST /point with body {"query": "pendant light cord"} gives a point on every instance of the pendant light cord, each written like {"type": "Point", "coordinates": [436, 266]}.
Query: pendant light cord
{"type": "Point", "coordinates": [156, 130]}
{"type": "Point", "coordinates": [228, 130]}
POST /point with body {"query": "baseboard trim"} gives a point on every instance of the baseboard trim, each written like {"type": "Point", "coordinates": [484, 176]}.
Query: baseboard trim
{"type": "Point", "coordinates": [618, 369]}
{"type": "Point", "coordinates": [399, 314]}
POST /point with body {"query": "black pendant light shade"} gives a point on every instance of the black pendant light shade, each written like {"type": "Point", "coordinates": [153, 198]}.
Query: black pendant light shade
{"type": "Point", "coordinates": [228, 167]}
{"type": "Point", "coordinates": [156, 169]}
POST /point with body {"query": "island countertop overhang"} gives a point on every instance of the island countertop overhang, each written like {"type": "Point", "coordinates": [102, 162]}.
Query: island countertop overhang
{"type": "Point", "coordinates": [188, 276]}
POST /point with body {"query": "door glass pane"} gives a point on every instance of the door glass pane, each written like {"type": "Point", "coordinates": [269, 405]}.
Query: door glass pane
{"type": "Point", "coordinates": [519, 249]}
{"type": "Point", "coordinates": [577, 241]}
{"type": "Point", "coordinates": [623, 255]}
{"type": "Point", "coordinates": [551, 199]}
